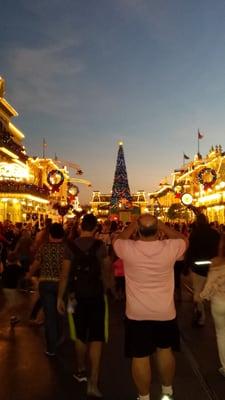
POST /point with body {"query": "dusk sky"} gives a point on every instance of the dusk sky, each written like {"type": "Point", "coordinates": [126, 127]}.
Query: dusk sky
{"type": "Point", "coordinates": [84, 74]}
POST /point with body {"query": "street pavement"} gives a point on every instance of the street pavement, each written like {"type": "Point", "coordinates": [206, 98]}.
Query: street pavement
{"type": "Point", "coordinates": [27, 374]}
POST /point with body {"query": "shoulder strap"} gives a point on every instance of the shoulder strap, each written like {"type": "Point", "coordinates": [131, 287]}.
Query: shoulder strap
{"type": "Point", "coordinates": [90, 251]}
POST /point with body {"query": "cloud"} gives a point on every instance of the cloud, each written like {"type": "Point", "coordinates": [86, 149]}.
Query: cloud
{"type": "Point", "coordinates": [133, 3]}
{"type": "Point", "coordinates": [41, 8]}
{"type": "Point", "coordinates": [41, 76]}
{"type": "Point", "coordinates": [42, 62]}
{"type": "Point", "coordinates": [162, 19]}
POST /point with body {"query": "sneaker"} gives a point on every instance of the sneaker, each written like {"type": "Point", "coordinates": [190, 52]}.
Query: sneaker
{"type": "Point", "coordinates": [49, 354]}
{"type": "Point", "coordinates": [80, 376]}
{"type": "Point", "coordinates": [167, 397]}
{"type": "Point", "coordinates": [93, 391]}
{"type": "Point", "coordinates": [222, 371]}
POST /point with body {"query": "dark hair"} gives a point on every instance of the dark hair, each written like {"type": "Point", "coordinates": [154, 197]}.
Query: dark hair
{"type": "Point", "coordinates": [89, 222]}
{"type": "Point", "coordinates": [201, 220]}
{"type": "Point", "coordinates": [113, 227]}
{"type": "Point", "coordinates": [147, 231]}
{"type": "Point", "coordinates": [56, 231]}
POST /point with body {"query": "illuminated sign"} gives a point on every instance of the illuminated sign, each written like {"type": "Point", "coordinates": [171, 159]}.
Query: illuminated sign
{"type": "Point", "coordinates": [187, 199]}
{"type": "Point", "coordinates": [13, 171]}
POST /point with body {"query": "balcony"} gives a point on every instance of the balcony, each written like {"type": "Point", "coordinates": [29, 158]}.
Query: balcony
{"type": "Point", "coordinates": [23, 188]}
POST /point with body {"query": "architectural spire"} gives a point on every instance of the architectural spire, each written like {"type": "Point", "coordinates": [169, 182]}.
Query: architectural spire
{"type": "Point", "coordinates": [120, 190]}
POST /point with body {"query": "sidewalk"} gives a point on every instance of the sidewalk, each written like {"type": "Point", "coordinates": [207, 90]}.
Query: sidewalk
{"type": "Point", "coordinates": [27, 374]}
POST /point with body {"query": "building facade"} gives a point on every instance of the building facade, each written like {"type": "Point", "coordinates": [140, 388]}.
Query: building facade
{"type": "Point", "coordinates": [100, 205]}
{"type": "Point", "coordinates": [25, 192]}
{"type": "Point", "coordinates": [204, 179]}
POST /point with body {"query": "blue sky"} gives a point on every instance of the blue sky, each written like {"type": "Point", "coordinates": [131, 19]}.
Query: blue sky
{"type": "Point", "coordinates": [84, 74]}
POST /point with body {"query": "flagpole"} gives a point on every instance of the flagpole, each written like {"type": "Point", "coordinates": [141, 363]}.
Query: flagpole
{"type": "Point", "coordinates": [43, 149]}
{"type": "Point", "coordinates": [198, 144]}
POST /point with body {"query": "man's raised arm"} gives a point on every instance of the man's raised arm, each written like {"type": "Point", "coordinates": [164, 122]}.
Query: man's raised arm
{"type": "Point", "coordinates": [171, 233]}
{"type": "Point", "coordinates": [127, 232]}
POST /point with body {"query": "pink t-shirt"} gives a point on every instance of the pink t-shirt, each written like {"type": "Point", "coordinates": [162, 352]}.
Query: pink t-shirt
{"type": "Point", "coordinates": [149, 275]}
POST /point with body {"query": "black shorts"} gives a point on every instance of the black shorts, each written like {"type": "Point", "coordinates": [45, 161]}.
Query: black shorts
{"type": "Point", "coordinates": [142, 338]}
{"type": "Point", "coordinates": [90, 320]}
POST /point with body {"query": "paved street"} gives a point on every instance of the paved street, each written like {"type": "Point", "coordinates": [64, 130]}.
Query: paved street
{"type": "Point", "coordinates": [27, 374]}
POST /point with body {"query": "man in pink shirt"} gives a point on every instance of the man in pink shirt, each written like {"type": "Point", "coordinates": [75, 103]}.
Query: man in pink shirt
{"type": "Point", "coordinates": [150, 311]}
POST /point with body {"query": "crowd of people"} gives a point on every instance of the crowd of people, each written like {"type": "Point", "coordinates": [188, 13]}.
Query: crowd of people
{"type": "Point", "coordinates": [77, 265]}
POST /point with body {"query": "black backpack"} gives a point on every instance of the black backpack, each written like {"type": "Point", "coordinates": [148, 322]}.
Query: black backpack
{"type": "Point", "coordinates": [86, 272]}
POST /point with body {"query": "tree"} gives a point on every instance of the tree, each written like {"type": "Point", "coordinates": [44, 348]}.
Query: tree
{"type": "Point", "coordinates": [120, 190]}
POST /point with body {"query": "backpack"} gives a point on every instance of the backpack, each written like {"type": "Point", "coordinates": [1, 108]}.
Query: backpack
{"type": "Point", "coordinates": [86, 272]}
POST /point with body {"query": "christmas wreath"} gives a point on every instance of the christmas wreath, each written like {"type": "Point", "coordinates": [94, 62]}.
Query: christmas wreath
{"type": "Point", "coordinates": [202, 174]}
{"type": "Point", "coordinates": [55, 179]}
{"type": "Point", "coordinates": [73, 190]}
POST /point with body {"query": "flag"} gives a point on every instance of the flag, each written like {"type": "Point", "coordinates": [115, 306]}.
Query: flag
{"type": "Point", "coordinates": [186, 157]}
{"type": "Point", "coordinates": [200, 135]}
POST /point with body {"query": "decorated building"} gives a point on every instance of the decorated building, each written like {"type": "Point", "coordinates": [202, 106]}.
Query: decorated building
{"type": "Point", "coordinates": [21, 194]}
{"type": "Point", "coordinates": [31, 188]}
{"type": "Point", "coordinates": [203, 179]}
{"type": "Point", "coordinates": [100, 205]}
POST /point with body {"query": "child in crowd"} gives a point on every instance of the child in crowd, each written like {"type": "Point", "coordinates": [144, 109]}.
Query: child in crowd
{"type": "Point", "coordinates": [119, 278]}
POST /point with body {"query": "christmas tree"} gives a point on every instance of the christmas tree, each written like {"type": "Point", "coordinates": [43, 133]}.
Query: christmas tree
{"type": "Point", "coordinates": [120, 190]}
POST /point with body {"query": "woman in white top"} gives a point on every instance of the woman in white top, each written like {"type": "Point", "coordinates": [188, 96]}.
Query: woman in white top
{"type": "Point", "coordinates": [214, 291]}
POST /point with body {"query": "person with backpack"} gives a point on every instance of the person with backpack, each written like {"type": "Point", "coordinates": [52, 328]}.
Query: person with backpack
{"type": "Point", "coordinates": [85, 277]}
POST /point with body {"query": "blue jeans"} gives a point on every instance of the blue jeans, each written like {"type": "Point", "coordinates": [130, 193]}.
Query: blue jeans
{"type": "Point", "coordinates": [48, 294]}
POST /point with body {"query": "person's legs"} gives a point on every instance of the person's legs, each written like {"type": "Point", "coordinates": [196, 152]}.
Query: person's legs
{"type": "Point", "coordinates": [95, 352]}
{"type": "Point", "coordinates": [139, 345]}
{"type": "Point", "coordinates": [97, 336]}
{"type": "Point", "coordinates": [166, 366]}
{"type": "Point", "coordinates": [81, 350]}
{"type": "Point", "coordinates": [218, 313]}
{"type": "Point", "coordinates": [199, 308]}
{"type": "Point", "coordinates": [81, 332]}
{"type": "Point", "coordinates": [141, 373]}
{"type": "Point", "coordinates": [48, 294]}
{"type": "Point", "coordinates": [36, 308]}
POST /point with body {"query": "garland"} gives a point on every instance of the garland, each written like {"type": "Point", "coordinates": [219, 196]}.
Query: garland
{"type": "Point", "coordinates": [53, 177]}
{"type": "Point", "coordinates": [21, 187]}
{"type": "Point", "coordinates": [209, 184]}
